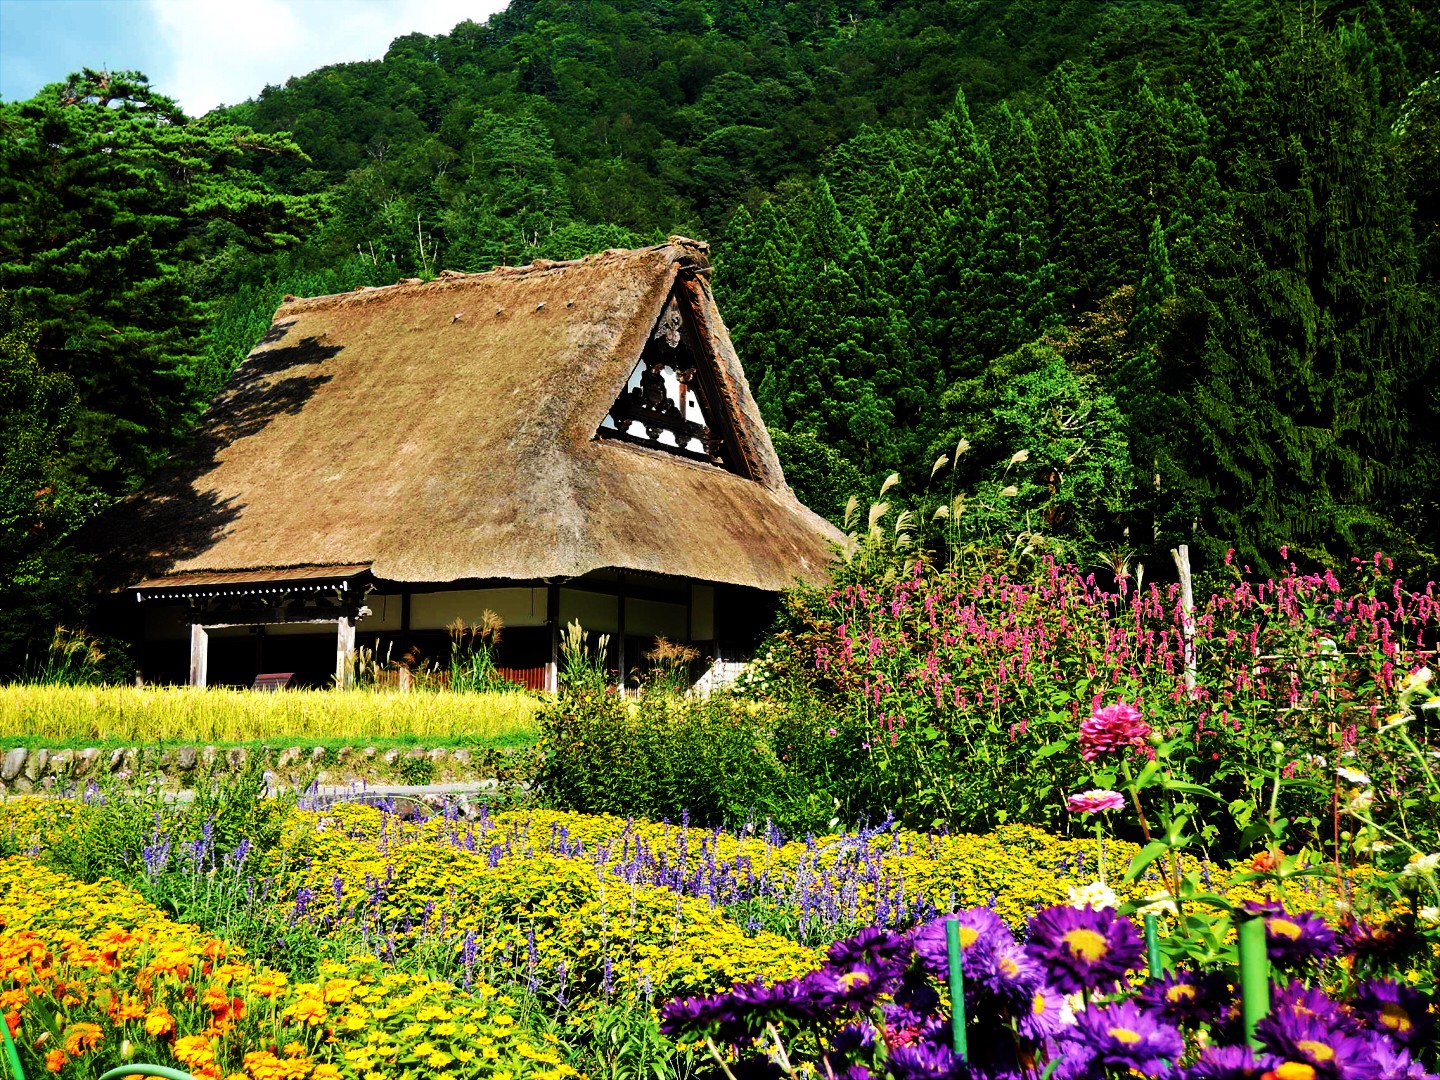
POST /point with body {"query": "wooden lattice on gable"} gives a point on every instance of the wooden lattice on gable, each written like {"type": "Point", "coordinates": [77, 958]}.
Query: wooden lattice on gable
{"type": "Point", "coordinates": [672, 400]}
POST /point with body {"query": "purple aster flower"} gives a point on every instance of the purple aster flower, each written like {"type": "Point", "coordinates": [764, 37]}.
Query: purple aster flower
{"type": "Point", "coordinates": [901, 1017]}
{"type": "Point", "coordinates": [873, 945]}
{"type": "Point", "coordinates": [1083, 949]}
{"type": "Point", "coordinates": [1395, 1010]}
{"type": "Point", "coordinates": [1007, 975]}
{"type": "Point", "coordinates": [861, 987]}
{"type": "Point", "coordinates": [1045, 1015]}
{"type": "Point", "coordinates": [1229, 1063]}
{"type": "Point", "coordinates": [1188, 998]}
{"type": "Point", "coordinates": [1396, 1063]}
{"type": "Point", "coordinates": [1292, 940]}
{"type": "Point", "coordinates": [1331, 1052]}
{"type": "Point", "coordinates": [916, 993]}
{"type": "Point", "coordinates": [981, 931]}
{"type": "Point", "coordinates": [1388, 943]}
{"type": "Point", "coordinates": [852, 1037]}
{"type": "Point", "coordinates": [696, 1017]}
{"type": "Point", "coordinates": [1124, 1036]}
{"type": "Point", "coordinates": [1301, 1001]}
{"type": "Point", "coordinates": [926, 1061]}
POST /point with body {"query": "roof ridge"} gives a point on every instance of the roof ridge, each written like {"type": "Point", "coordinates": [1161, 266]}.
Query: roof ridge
{"type": "Point", "coordinates": [696, 251]}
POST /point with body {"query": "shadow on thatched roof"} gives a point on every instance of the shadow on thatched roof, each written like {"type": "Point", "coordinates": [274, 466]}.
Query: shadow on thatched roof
{"type": "Point", "coordinates": [445, 431]}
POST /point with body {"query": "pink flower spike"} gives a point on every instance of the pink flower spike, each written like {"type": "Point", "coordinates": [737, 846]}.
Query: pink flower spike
{"type": "Point", "coordinates": [1112, 729]}
{"type": "Point", "coordinates": [1095, 800]}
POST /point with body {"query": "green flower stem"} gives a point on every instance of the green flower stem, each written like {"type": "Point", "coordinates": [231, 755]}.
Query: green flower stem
{"type": "Point", "coordinates": [1135, 798]}
{"type": "Point", "coordinates": [715, 1053]}
{"type": "Point", "coordinates": [1100, 846]}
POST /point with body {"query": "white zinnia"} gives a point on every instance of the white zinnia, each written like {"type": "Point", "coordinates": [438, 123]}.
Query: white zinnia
{"type": "Point", "coordinates": [1361, 800]}
{"type": "Point", "coordinates": [1419, 868]}
{"type": "Point", "coordinates": [1355, 776]}
{"type": "Point", "coordinates": [1095, 896]}
{"type": "Point", "coordinates": [1161, 903]}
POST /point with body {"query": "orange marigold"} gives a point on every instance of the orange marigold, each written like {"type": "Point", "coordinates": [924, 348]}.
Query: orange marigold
{"type": "Point", "coordinates": [158, 1021]}
{"type": "Point", "coordinates": [130, 1009]}
{"type": "Point", "coordinates": [339, 990]}
{"type": "Point", "coordinates": [194, 1051]}
{"type": "Point", "coordinates": [55, 1060]}
{"type": "Point", "coordinates": [308, 1010]}
{"type": "Point", "coordinates": [13, 999]}
{"type": "Point", "coordinates": [81, 1038]}
{"type": "Point", "coordinates": [268, 984]}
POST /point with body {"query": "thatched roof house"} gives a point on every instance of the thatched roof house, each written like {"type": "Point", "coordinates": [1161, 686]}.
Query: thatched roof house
{"type": "Point", "coordinates": [564, 440]}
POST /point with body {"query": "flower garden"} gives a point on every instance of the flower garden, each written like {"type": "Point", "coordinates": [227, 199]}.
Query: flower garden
{"type": "Point", "coordinates": [956, 825]}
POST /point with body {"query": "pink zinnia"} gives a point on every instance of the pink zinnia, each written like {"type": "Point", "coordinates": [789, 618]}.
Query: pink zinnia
{"type": "Point", "coordinates": [1110, 729]}
{"type": "Point", "coordinates": [1095, 800]}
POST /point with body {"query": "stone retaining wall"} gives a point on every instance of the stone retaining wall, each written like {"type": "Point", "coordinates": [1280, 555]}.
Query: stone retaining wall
{"type": "Point", "coordinates": [24, 769]}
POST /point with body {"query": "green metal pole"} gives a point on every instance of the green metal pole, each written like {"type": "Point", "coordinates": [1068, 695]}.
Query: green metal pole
{"type": "Point", "coordinates": [138, 1069]}
{"type": "Point", "coordinates": [1254, 976]}
{"type": "Point", "coordinates": [12, 1055]}
{"type": "Point", "coordinates": [957, 988]}
{"type": "Point", "coordinates": [1152, 946]}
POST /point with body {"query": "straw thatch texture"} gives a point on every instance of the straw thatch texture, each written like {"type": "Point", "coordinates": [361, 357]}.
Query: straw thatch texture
{"type": "Point", "coordinates": [445, 431]}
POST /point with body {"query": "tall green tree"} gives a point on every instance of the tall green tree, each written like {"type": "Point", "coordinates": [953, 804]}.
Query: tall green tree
{"type": "Point", "coordinates": [110, 197]}
{"type": "Point", "coordinates": [41, 500]}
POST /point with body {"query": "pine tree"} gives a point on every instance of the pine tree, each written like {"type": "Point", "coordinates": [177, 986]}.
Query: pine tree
{"type": "Point", "coordinates": [1156, 288]}
{"type": "Point", "coordinates": [1304, 418]}
{"type": "Point", "coordinates": [109, 195]}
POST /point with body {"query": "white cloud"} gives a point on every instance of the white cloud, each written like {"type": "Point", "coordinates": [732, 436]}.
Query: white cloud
{"type": "Point", "coordinates": [224, 51]}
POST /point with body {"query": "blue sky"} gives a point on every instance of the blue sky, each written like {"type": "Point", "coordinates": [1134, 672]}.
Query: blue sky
{"type": "Point", "coordinates": [205, 53]}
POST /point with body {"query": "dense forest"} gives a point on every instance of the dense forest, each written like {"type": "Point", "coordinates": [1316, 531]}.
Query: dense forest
{"type": "Point", "coordinates": [1095, 277]}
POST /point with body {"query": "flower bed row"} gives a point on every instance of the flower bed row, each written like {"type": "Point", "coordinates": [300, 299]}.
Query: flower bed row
{"type": "Point", "coordinates": [93, 973]}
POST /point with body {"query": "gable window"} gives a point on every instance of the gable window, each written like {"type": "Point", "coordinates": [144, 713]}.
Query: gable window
{"type": "Point", "coordinates": [671, 401]}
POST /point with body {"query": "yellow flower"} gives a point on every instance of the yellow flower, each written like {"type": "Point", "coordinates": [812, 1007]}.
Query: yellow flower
{"type": "Point", "coordinates": [308, 1010]}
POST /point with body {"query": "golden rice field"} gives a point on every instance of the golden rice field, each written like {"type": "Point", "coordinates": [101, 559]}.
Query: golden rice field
{"type": "Point", "coordinates": [120, 714]}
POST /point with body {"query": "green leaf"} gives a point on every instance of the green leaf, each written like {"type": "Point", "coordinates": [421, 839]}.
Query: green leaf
{"type": "Point", "coordinates": [1191, 789]}
{"type": "Point", "coordinates": [1148, 854]}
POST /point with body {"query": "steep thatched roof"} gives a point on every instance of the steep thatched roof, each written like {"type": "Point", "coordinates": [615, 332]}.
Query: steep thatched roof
{"type": "Point", "coordinates": [445, 431]}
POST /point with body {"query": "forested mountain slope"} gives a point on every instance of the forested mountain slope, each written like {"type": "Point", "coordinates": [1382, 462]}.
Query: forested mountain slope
{"type": "Point", "coordinates": [1168, 269]}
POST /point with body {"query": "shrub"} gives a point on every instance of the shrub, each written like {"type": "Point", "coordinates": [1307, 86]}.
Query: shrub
{"type": "Point", "coordinates": [719, 759]}
{"type": "Point", "coordinates": [86, 969]}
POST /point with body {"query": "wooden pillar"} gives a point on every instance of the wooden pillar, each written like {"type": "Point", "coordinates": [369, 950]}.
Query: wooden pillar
{"type": "Point", "coordinates": [344, 647]}
{"type": "Point", "coordinates": [552, 620]}
{"type": "Point", "coordinates": [620, 622]}
{"type": "Point", "coordinates": [199, 654]}
{"type": "Point", "coordinates": [404, 623]}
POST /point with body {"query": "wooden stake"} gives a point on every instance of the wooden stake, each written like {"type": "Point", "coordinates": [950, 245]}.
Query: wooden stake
{"type": "Point", "coordinates": [1181, 555]}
